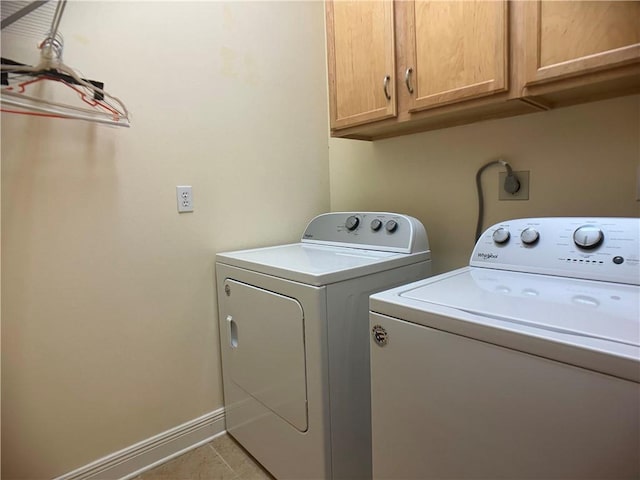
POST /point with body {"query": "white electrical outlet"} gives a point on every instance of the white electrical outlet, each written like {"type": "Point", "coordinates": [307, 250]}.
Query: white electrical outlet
{"type": "Point", "coordinates": [184, 196]}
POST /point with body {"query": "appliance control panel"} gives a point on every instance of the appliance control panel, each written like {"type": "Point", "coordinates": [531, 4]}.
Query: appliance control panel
{"type": "Point", "coordinates": [383, 231]}
{"type": "Point", "coordinates": [606, 249]}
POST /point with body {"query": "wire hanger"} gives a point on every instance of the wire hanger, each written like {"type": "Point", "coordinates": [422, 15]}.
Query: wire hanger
{"type": "Point", "coordinates": [97, 105]}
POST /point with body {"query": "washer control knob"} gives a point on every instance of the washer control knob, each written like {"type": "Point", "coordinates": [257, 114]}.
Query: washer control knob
{"type": "Point", "coordinates": [352, 223]}
{"type": "Point", "coordinates": [376, 225]}
{"type": "Point", "coordinates": [501, 235]}
{"type": "Point", "coordinates": [391, 226]}
{"type": "Point", "coordinates": [529, 236]}
{"type": "Point", "coordinates": [588, 237]}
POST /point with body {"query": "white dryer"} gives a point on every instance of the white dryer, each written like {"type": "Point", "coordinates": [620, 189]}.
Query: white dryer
{"type": "Point", "coordinates": [526, 364]}
{"type": "Point", "coordinates": [294, 340]}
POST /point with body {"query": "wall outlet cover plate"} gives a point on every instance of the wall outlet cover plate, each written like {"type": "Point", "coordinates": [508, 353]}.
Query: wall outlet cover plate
{"type": "Point", "coordinates": [184, 197]}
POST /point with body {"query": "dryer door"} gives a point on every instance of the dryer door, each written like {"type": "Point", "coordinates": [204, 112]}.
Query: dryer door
{"type": "Point", "coordinates": [265, 335]}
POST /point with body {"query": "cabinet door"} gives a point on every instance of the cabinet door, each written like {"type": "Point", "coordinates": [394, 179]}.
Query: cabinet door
{"type": "Point", "coordinates": [569, 38]}
{"type": "Point", "coordinates": [361, 61]}
{"type": "Point", "coordinates": [455, 50]}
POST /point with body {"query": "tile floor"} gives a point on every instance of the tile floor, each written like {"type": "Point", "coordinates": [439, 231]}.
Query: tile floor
{"type": "Point", "coordinates": [221, 459]}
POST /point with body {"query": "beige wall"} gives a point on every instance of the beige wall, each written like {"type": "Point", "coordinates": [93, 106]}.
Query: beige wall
{"type": "Point", "coordinates": [109, 329]}
{"type": "Point", "coordinates": [109, 332]}
{"type": "Point", "coordinates": [583, 161]}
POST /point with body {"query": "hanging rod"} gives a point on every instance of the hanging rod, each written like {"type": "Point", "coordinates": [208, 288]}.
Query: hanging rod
{"type": "Point", "coordinates": [57, 16]}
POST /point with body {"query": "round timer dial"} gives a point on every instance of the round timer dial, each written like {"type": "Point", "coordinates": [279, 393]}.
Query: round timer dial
{"type": "Point", "coordinates": [588, 237]}
{"type": "Point", "coordinates": [529, 236]}
{"type": "Point", "coordinates": [352, 223]}
{"type": "Point", "coordinates": [501, 235]}
{"type": "Point", "coordinates": [391, 226]}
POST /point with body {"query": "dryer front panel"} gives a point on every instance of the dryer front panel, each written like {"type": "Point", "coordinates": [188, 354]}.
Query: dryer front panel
{"type": "Point", "coordinates": [265, 335]}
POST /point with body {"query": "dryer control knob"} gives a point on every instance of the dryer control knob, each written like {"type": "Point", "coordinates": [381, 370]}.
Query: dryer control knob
{"type": "Point", "coordinates": [501, 235]}
{"type": "Point", "coordinates": [529, 236]}
{"type": "Point", "coordinates": [376, 225]}
{"type": "Point", "coordinates": [352, 223]}
{"type": "Point", "coordinates": [391, 226]}
{"type": "Point", "coordinates": [588, 237]}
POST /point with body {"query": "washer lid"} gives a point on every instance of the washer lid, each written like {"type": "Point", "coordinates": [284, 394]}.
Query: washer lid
{"type": "Point", "coordinates": [599, 310]}
{"type": "Point", "coordinates": [591, 324]}
{"type": "Point", "coordinates": [317, 264]}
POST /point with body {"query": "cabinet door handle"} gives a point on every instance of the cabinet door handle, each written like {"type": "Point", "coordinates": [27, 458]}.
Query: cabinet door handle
{"type": "Point", "coordinates": [386, 87]}
{"type": "Point", "coordinates": [407, 79]}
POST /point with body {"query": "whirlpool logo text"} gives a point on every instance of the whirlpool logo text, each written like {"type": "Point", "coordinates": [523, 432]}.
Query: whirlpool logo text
{"type": "Point", "coordinates": [487, 256]}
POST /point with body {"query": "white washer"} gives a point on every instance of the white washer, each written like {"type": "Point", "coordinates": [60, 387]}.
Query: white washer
{"type": "Point", "coordinates": [526, 364]}
{"type": "Point", "coordinates": [294, 340]}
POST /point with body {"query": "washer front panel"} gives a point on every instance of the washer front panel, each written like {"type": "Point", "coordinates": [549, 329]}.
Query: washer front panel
{"type": "Point", "coordinates": [447, 406]}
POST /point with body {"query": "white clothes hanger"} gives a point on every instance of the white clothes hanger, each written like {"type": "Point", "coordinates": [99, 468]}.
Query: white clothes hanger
{"type": "Point", "coordinates": [105, 108]}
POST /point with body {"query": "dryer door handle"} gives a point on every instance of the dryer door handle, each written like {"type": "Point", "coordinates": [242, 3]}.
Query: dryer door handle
{"type": "Point", "coordinates": [233, 331]}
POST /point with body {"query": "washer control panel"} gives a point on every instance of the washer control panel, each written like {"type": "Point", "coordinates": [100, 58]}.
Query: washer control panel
{"type": "Point", "coordinates": [606, 249]}
{"type": "Point", "coordinates": [392, 232]}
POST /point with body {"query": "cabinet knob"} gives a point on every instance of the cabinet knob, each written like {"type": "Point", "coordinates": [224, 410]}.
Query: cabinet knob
{"type": "Point", "coordinates": [386, 87]}
{"type": "Point", "coordinates": [407, 79]}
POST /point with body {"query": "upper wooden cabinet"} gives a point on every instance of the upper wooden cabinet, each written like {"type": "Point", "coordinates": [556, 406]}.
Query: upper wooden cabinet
{"type": "Point", "coordinates": [413, 65]}
{"type": "Point", "coordinates": [361, 54]}
{"type": "Point", "coordinates": [566, 39]}
{"type": "Point", "coordinates": [453, 51]}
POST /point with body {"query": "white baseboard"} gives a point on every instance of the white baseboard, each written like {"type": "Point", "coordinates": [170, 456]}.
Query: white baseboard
{"type": "Point", "coordinates": [131, 461]}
